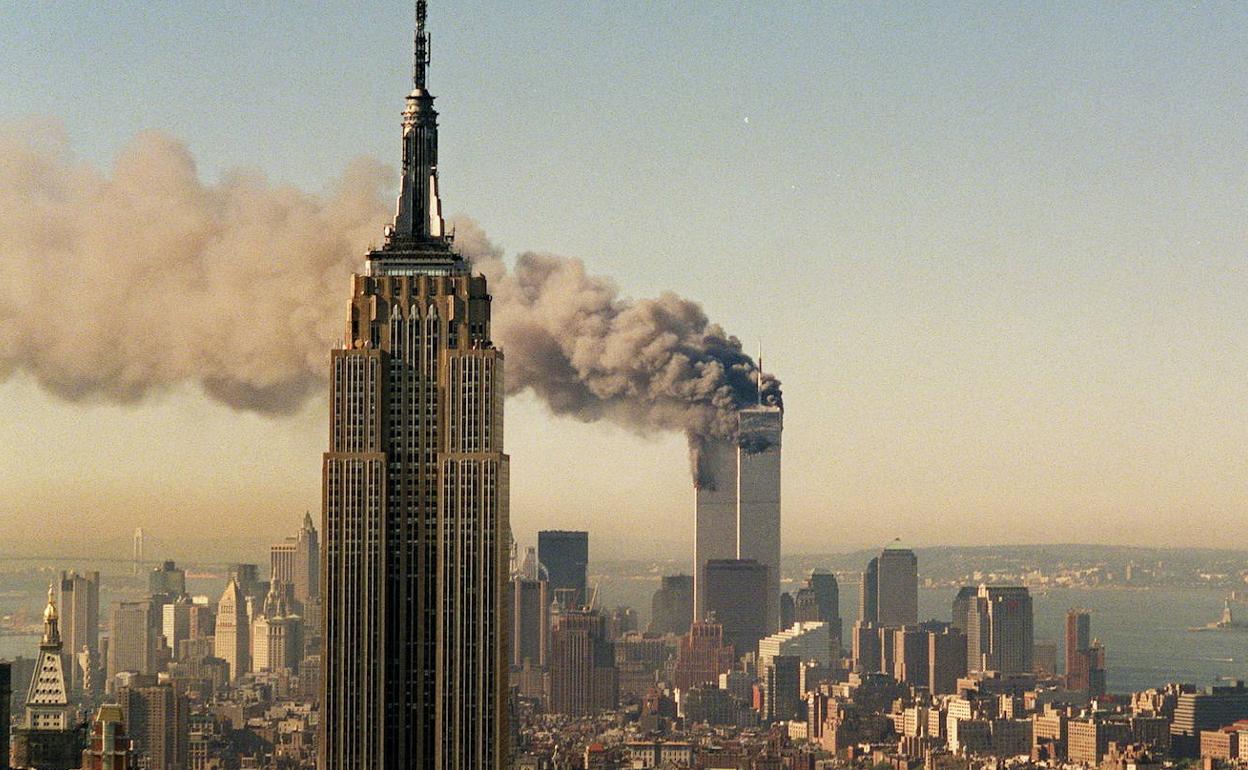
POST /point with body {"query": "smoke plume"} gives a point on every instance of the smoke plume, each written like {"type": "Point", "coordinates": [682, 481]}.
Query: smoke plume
{"type": "Point", "coordinates": [116, 286]}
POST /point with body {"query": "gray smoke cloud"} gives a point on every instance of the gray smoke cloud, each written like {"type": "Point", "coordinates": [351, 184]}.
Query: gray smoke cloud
{"type": "Point", "coordinates": [116, 286]}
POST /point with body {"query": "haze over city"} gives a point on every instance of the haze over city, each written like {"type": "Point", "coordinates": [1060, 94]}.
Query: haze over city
{"type": "Point", "coordinates": [995, 256]}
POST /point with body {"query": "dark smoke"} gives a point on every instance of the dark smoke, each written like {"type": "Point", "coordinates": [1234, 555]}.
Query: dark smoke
{"type": "Point", "coordinates": [116, 286]}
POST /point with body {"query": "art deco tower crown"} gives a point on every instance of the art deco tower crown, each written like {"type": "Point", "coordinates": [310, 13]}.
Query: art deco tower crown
{"type": "Point", "coordinates": [418, 237]}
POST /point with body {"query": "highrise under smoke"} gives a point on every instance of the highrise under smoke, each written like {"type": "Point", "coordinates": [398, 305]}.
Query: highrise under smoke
{"type": "Point", "coordinates": [117, 286]}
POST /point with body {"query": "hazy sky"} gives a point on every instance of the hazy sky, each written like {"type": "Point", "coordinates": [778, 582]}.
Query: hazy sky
{"type": "Point", "coordinates": [995, 252]}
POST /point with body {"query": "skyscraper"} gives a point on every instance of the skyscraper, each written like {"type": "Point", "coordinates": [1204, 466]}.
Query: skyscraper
{"type": "Point", "coordinates": [865, 647]}
{"type": "Point", "coordinates": [735, 591]}
{"type": "Point", "coordinates": [715, 514]}
{"type": "Point", "coordinates": [49, 737]}
{"type": "Point", "coordinates": [249, 584]}
{"type": "Point", "coordinates": [276, 633]}
{"type": "Point", "coordinates": [156, 720]}
{"type": "Point", "coordinates": [415, 531]}
{"type": "Point", "coordinates": [6, 698]}
{"type": "Point", "coordinates": [946, 659]}
{"type": "Point", "coordinates": [565, 555]}
{"type": "Point", "coordinates": [897, 589]}
{"type": "Point", "coordinates": [176, 622]}
{"type": "Point", "coordinates": [232, 638]}
{"type": "Point", "coordinates": [782, 695]}
{"type": "Point", "coordinates": [820, 600]}
{"type": "Point", "coordinates": [167, 580]}
{"type": "Point", "coordinates": [1078, 640]}
{"type": "Point", "coordinates": [868, 609]}
{"type": "Point", "coordinates": [1085, 658]}
{"type": "Point", "coordinates": [911, 656]}
{"type": "Point", "coordinates": [703, 655]}
{"type": "Point", "coordinates": [530, 621]}
{"type": "Point", "coordinates": [758, 496]}
{"type": "Point", "coordinates": [296, 562]}
{"type": "Point", "coordinates": [80, 622]}
{"type": "Point", "coordinates": [737, 504]}
{"type": "Point", "coordinates": [582, 664]}
{"type": "Point", "coordinates": [47, 699]}
{"type": "Point", "coordinates": [999, 633]}
{"type": "Point", "coordinates": [809, 642]}
{"type": "Point", "coordinates": [133, 640]}
{"type": "Point", "coordinates": [671, 607]}
{"type": "Point", "coordinates": [962, 604]}
{"type": "Point", "coordinates": [827, 596]}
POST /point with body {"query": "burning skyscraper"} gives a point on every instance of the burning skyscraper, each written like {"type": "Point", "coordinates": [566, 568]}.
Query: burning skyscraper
{"type": "Point", "coordinates": [737, 503]}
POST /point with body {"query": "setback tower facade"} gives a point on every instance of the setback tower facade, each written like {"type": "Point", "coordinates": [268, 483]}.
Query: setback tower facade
{"type": "Point", "coordinates": [414, 524]}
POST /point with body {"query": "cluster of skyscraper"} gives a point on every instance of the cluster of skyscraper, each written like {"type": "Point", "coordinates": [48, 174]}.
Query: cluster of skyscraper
{"type": "Point", "coordinates": [161, 654]}
{"type": "Point", "coordinates": [989, 633]}
{"type": "Point", "coordinates": [580, 659]}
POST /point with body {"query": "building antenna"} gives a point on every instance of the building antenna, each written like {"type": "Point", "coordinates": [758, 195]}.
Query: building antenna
{"type": "Point", "coordinates": [138, 549]}
{"type": "Point", "coordinates": [759, 379]}
{"type": "Point", "coordinates": [422, 46]}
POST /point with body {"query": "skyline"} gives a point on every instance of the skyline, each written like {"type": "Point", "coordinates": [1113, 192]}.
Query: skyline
{"type": "Point", "coordinates": [924, 421]}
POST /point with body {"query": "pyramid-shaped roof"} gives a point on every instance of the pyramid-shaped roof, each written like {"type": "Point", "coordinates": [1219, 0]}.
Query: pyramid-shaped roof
{"type": "Point", "coordinates": [47, 686]}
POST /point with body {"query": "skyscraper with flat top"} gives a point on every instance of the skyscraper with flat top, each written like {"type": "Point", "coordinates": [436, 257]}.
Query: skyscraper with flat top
{"type": "Point", "coordinates": [890, 588]}
{"type": "Point", "coordinates": [167, 580]}
{"type": "Point", "coordinates": [80, 626]}
{"type": "Point", "coordinates": [1078, 640]}
{"type": "Point", "coordinates": [737, 504]}
{"type": "Point", "coordinates": [671, 607]}
{"type": "Point", "coordinates": [735, 599]}
{"type": "Point", "coordinates": [565, 555]}
{"type": "Point", "coordinates": [415, 538]}
{"type": "Point", "coordinates": [758, 497]}
{"type": "Point", "coordinates": [868, 611]}
{"type": "Point", "coordinates": [999, 631]}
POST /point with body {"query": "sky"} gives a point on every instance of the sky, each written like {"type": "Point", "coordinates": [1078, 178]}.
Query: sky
{"type": "Point", "coordinates": [995, 252]}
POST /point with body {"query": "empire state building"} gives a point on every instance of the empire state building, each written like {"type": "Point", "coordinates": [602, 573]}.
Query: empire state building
{"type": "Point", "coordinates": [415, 489]}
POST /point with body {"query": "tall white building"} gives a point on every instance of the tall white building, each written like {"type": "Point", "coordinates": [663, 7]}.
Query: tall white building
{"type": "Point", "coordinates": [737, 503]}
{"type": "Point", "coordinates": [176, 623]}
{"type": "Point", "coordinates": [232, 640]}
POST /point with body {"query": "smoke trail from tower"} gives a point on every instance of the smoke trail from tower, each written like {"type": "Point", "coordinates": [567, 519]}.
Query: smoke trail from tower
{"type": "Point", "coordinates": [117, 286]}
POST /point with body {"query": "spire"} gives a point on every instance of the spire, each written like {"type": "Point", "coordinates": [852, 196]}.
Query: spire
{"type": "Point", "coordinates": [51, 625]}
{"type": "Point", "coordinates": [307, 521]}
{"type": "Point", "coordinates": [418, 220]}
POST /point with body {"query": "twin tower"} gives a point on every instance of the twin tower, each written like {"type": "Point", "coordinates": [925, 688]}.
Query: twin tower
{"type": "Point", "coordinates": [737, 506]}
